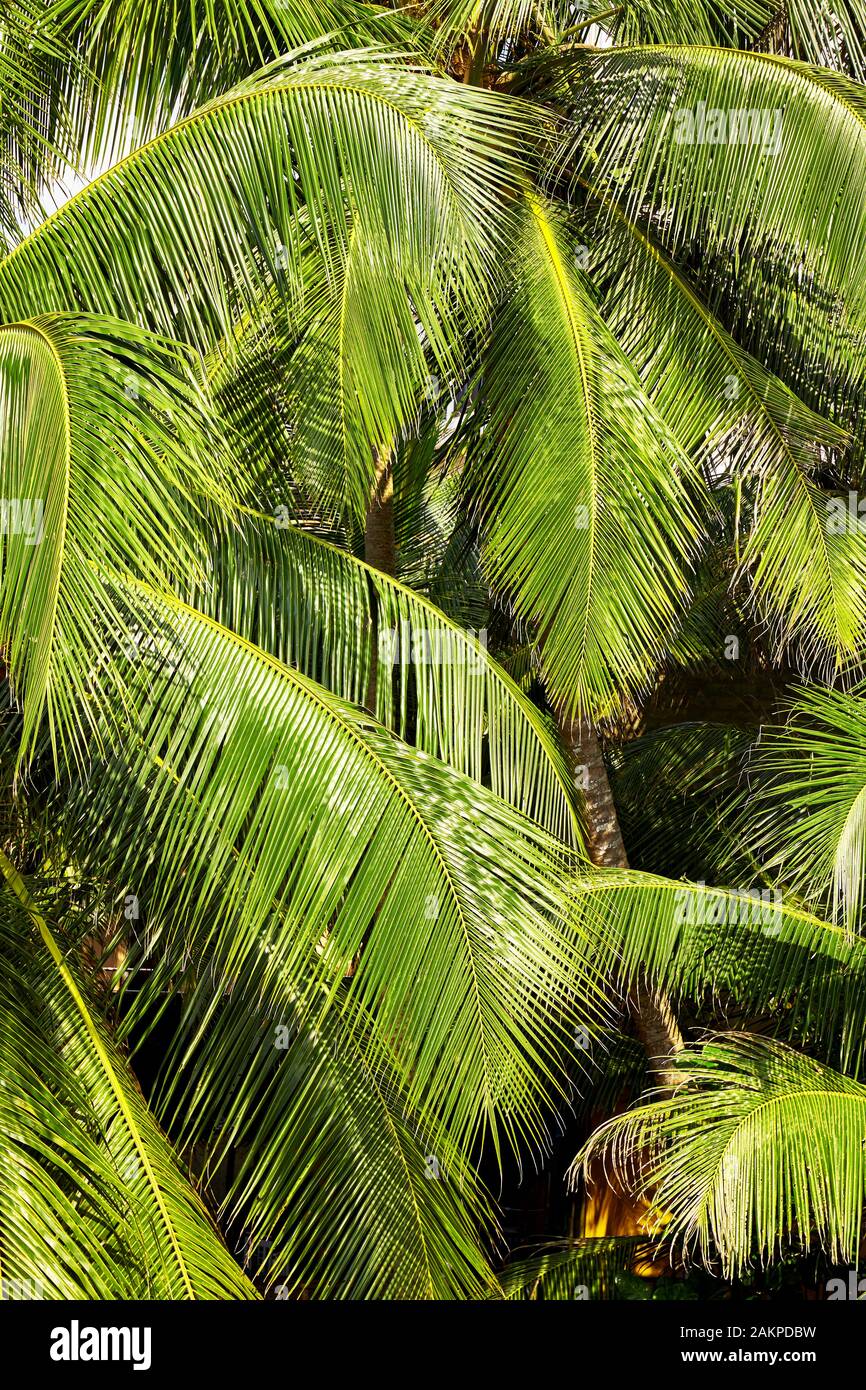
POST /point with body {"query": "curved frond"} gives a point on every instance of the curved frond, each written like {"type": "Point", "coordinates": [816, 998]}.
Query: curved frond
{"type": "Point", "coordinates": [587, 502]}
{"type": "Point", "coordinates": [740, 421]}
{"type": "Point", "coordinates": [745, 153]}
{"type": "Point", "coordinates": [807, 816]}
{"type": "Point", "coordinates": [762, 1147]}
{"type": "Point", "coordinates": [93, 1203]}
{"type": "Point", "coordinates": [108, 457]}
{"type": "Point", "coordinates": [139, 64]}
{"type": "Point", "coordinates": [298, 841]}
{"type": "Point", "coordinates": [749, 943]}
{"type": "Point", "coordinates": [195, 227]}
{"type": "Point", "coordinates": [349, 1194]}
{"type": "Point", "coordinates": [317, 607]}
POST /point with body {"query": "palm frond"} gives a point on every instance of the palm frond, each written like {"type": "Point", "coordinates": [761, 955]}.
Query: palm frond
{"type": "Point", "coordinates": [318, 608]}
{"type": "Point", "coordinates": [761, 1148]}
{"type": "Point", "coordinates": [748, 944]}
{"type": "Point", "coordinates": [94, 1202]}
{"type": "Point", "coordinates": [349, 1195]}
{"type": "Point", "coordinates": [108, 459]}
{"type": "Point", "coordinates": [196, 227]}
{"type": "Point", "coordinates": [749, 154]}
{"type": "Point", "coordinates": [282, 835]}
{"type": "Point", "coordinates": [139, 65]}
{"type": "Point", "coordinates": [738, 420]}
{"type": "Point", "coordinates": [587, 502]}
{"type": "Point", "coordinates": [584, 1269]}
{"type": "Point", "coordinates": [806, 818]}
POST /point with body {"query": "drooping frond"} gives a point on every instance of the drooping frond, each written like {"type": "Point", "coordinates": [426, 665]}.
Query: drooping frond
{"type": "Point", "coordinates": [673, 787]}
{"type": "Point", "coordinates": [350, 1195]}
{"type": "Point", "coordinates": [587, 502]}
{"type": "Point", "coordinates": [740, 421]}
{"type": "Point", "coordinates": [317, 607]}
{"type": "Point", "coordinates": [749, 944]}
{"type": "Point", "coordinates": [108, 457]}
{"type": "Point", "coordinates": [322, 385]}
{"type": "Point", "coordinates": [93, 1202]}
{"type": "Point", "coordinates": [748, 154]}
{"type": "Point", "coordinates": [35, 134]}
{"type": "Point", "coordinates": [270, 826]}
{"type": "Point", "coordinates": [199, 224]}
{"type": "Point", "coordinates": [761, 1148]}
{"type": "Point", "coordinates": [806, 819]}
{"type": "Point", "coordinates": [140, 64]}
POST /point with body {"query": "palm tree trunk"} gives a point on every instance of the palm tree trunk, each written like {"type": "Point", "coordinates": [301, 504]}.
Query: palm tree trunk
{"type": "Point", "coordinates": [654, 1020]}
{"type": "Point", "coordinates": [380, 546]}
{"type": "Point", "coordinates": [609, 1209]}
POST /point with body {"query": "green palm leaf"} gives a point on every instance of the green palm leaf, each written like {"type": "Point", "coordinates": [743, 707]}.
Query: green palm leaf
{"type": "Point", "coordinates": [587, 501]}
{"type": "Point", "coordinates": [142, 62]}
{"type": "Point", "coordinates": [762, 1146]}
{"type": "Point", "coordinates": [300, 841]}
{"type": "Point", "coordinates": [316, 607]}
{"type": "Point", "coordinates": [108, 458]}
{"type": "Point", "coordinates": [750, 944]}
{"type": "Point", "coordinates": [197, 225]}
{"type": "Point", "coordinates": [351, 1196]}
{"type": "Point", "coordinates": [738, 420]}
{"type": "Point", "coordinates": [94, 1203]}
{"type": "Point", "coordinates": [807, 816]}
{"type": "Point", "coordinates": [774, 187]}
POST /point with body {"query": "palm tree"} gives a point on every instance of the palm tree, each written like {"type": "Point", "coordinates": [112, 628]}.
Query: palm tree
{"type": "Point", "coordinates": [428, 444]}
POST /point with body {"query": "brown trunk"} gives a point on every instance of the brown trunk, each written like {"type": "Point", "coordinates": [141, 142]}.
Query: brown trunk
{"type": "Point", "coordinates": [380, 547]}
{"type": "Point", "coordinates": [380, 544]}
{"type": "Point", "coordinates": [608, 1209]}
{"type": "Point", "coordinates": [654, 1019]}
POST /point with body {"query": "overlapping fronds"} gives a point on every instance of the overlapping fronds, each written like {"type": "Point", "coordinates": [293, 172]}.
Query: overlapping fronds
{"type": "Point", "coordinates": [744, 153]}
{"type": "Point", "coordinates": [108, 457]}
{"type": "Point", "coordinates": [142, 63]}
{"type": "Point", "coordinates": [345, 371]}
{"type": "Point", "coordinates": [93, 1202]}
{"type": "Point", "coordinates": [586, 499]}
{"type": "Point", "coordinates": [421, 163]}
{"type": "Point", "coordinates": [799, 29]}
{"type": "Point", "coordinates": [673, 788]}
{"type": "Point", "coordinates": [35, 133]}
{"type": "Point", "coordinates": [317, 607]}
{"type": "Point", "coordinates": [761, 1147]}
{"type": "Point", "coordinates": [809, 577]}
{"type": "Point", "coordinates": [270, 826]}
{"type": "Point", "coordinates": [349, 1194]}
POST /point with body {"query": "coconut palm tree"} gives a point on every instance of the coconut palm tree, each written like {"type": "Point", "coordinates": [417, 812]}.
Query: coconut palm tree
{"type": "Point", "coordinates": [432, 606]}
